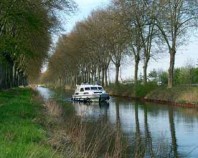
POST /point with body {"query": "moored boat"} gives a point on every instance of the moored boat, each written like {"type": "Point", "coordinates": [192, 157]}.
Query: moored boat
{"type": "Point", "coordinates": [89, 92]}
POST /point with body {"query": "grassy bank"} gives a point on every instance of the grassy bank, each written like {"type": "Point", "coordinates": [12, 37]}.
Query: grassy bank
{"type": "Point", "coordinates": [177, 94]}
{"type": "Point", "coordinates": [32, 128]}
{"type": "Point", "coordinates": [131, 90]}
{"type": "Point", "coordinates": [183, 94]}
{"type": "Point", "coordinates": [21, 131]}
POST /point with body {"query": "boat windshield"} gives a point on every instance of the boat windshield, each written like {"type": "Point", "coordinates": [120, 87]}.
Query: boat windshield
{"type": "Point", "coordinates": [100, 88]}
{"type": "Point", "coordinates": [87, 88]}
{"type": "Point", "coordinates": [94, 88]}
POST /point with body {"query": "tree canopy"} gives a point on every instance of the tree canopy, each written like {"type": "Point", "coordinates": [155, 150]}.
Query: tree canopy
{"type": "Point", "coordinates": [25, 38]}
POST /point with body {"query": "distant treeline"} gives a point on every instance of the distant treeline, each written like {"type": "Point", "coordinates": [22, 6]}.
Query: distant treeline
{"type": "Point", "coordinates": [25, 38]}
{"type": "Point", "coordinates": [139, 30]}
{"type": "Point", "coordinates": [187, 75]}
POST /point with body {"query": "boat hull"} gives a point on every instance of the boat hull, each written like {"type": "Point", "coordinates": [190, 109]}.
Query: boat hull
{"type": "Point", "coordinates": [93, 98]}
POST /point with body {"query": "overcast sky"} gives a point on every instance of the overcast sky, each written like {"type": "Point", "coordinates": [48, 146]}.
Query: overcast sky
{"type": "Point", "coordinates": [186, 54]}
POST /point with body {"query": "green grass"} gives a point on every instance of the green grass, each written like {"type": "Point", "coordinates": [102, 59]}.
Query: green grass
{"type": "Point", "coordinates": [131, 90]}
{"type": "Point", "coordinates": [21, 134]}
{"type": "Point", "coordinates": [178, 94]}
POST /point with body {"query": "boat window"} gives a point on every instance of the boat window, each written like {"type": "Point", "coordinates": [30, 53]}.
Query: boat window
{"type": "Point", "coordinates": [87, 88]}
{"type": "Point", "coordinates": [93, 88]}
{"type": "Point", "coordinates": [100, 88]}
{"type": "Point", "coordinates": [81, 90]}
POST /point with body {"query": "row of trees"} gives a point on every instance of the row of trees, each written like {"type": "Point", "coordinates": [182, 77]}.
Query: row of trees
{"type": "Point", "coordinates": [135, 28]}
{"type": "Point", "coordinates": [25, 37]}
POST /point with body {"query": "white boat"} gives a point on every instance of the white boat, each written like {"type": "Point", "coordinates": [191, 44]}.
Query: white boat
{"type": "Point", "coordinates": [88, 92]}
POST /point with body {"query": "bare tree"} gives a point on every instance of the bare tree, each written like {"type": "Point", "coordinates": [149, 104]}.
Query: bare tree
{"type": "Point", "coordinates": [132, 17]}
{"type": "Point", "coordinates": [115, 39]}
{"type": "Point", "coordinates": [173, 19]}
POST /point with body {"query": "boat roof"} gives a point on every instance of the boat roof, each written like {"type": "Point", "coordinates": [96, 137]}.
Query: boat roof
{"type": "Point", "coordinates": [88, 85]}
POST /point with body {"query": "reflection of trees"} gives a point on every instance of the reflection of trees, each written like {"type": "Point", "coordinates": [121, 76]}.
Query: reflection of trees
{"type": "Point", "coordinates": [117, 115]}
{"type": "Point", "coordinates": [143, 146]}
{"type": "Point", "coordinates": [188, 116]}
{"type": "Point", "coordinates": [105, 106]}
{"type": "Point", "coordinates": [173, 133]}
{"type": "Point", "coordinates": [118, 141]}
{"type": "Point", "coordinates": [153, 109]}
{"type": "Point", "coordinates": [139, 149]}
{"type": "Point", "coordinates": [148, 138]}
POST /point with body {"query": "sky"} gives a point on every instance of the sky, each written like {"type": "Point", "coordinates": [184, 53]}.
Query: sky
{"type": "Point", "coordinates": [187, 54]}
{"type": "Point", "coordinates": [85, 7]}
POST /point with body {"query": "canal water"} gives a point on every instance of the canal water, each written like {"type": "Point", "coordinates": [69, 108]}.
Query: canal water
{"type": "Point", "coordinates": [172, 131]}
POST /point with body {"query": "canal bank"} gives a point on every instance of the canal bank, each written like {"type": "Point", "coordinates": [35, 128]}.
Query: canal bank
{"type": "Point", "coordinates": [23, 131]}
{"type": "Point", "coordinates": [37, 123]}
{"type": "Point", "coordinates": [182, 96]}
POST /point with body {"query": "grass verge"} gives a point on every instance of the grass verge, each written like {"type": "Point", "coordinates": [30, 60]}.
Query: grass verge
{"type": "Point", "coordinates": [177, 94]}
{"type": "Point", "coordinates": [131, 90]}
{"type": "Point", "coordinates": [181, 94]}
{"type": "Point", "coordinates": [21, 131]}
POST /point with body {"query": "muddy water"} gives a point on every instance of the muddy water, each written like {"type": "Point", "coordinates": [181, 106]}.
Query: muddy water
{"type": "Point", "coordinates": [158, 130]}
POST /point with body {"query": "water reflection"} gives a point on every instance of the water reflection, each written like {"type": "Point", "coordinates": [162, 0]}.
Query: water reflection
{"type": "Point", "coordinates": [148, 138]}
{"type": "Point", "coordinates": [173, 133]}
{"type": "Point", "coordinates": [91, 111]}
{"type": "Point", "coordinates": [152, 130]}
{"type": "Point", "coordinates": [45, 93]}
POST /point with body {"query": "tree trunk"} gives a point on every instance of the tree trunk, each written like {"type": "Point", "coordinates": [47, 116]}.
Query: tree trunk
{"type": "Point", "coordinates": [92, 77]}
{"type": "Point", "coordinates": [5, 83]}
{"type": "Point", "coordinates": [99, 71]}
{"type": "Point", "coordinates": [103, 73]}
{"type": "Point", "coordinates": [60, 81]}
{"type": "Point", "coordinates": [88, 76]}
{"type": "Point", "coordinates": [75, 80]}
{"type": "Point", "coordinates": [106, 77]}
{"type": "Point", "coordinates": [14, 75]}
{"type": "Point", "coordinates": [8, 79]}
{"type": "Point", "coordinates": [171, 68]}
{"type": "Point", "coordinates": [136, 70]}
{"type": "Point", "coordinates": [18, 78]}
{"type": "Point", "coordinates": [117, 74]}
{"type": "Point", "coordinates": [109, 76]}
{"type": "Point", "coordinates": [145, 71]}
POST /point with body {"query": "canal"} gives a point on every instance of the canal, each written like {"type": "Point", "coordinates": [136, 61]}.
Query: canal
{"type": "Point", "coordinates": [160, 130]}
